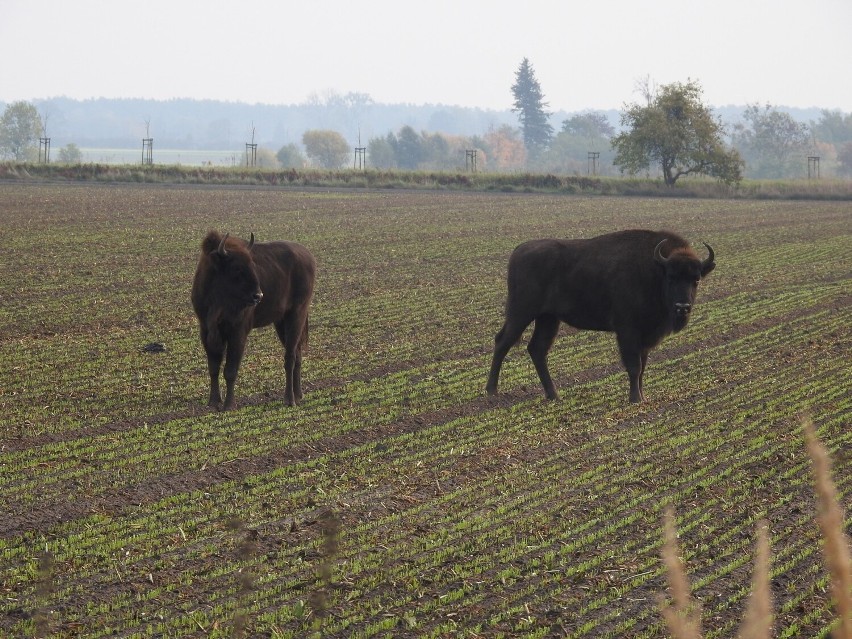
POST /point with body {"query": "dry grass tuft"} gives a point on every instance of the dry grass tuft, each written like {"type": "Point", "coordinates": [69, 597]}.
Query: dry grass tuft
{"type": "Point", "coordinates": [684, 617]}
{"type": "Point", "coordinates": [836, 543]}
{"type": "Point", "coordinates": [45, 587]}
{"type": "Point", "coordinates": [246, 548]}
{"type": "Point", "coordinates": [757, 622]}
{"type": "Point", "coordinates": [330, 528]}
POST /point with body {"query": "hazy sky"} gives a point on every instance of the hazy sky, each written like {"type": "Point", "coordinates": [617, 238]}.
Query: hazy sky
{"type": "Point", "coordinates": [586, 53]}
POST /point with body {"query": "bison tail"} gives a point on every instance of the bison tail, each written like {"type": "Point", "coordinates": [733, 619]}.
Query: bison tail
{"type": "Point", "coordinates": [499, 336]}
{"type": "Point", "coordinates": [304, 341]}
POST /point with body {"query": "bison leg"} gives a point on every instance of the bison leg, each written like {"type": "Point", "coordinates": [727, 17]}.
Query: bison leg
{"type": "Point", "coordinates": [634, 359]}
{"type": "Point", "coordinates": [297, 367]}
{"type": "Point", "coordinates": [503, 341]}
{"type": "Point", "coordinates": [546, 328]}
{"type": "Point", "coordinates": [213, 365]}
{"type": "Point", "coordinates": [215, 350]}
{"type": "Point", "coordinates": [236, 350]}
{"type": "Point", "coordinates": [292, 331]}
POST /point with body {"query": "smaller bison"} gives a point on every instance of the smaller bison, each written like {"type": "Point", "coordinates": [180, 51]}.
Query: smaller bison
{"type": "Point", "coordinates": [640, 285]}
{"type": "Point", "coordinates": [242, 285]}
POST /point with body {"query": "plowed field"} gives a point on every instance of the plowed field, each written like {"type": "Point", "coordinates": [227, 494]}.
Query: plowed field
{"type": "Point", "coordinates": [397, 500]}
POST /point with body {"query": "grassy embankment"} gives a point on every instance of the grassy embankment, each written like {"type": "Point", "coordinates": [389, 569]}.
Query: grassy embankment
{"type": "Point", "coordinates": [827, 189]}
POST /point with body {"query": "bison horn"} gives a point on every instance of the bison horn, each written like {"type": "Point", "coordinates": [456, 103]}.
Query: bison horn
{"type": "Point", "coordinates": [251, 241]}
{"type": "Point", "coordinates": [658, 257]}
{"type": "Point", "coordinates": [221, 250]}
{"type": "Point", "coordinates": [710, 257]}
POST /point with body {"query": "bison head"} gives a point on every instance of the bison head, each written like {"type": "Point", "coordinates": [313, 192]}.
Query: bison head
{"type": "Point", "coordinates": [683, 271]}
{"type": "Point", "coordinates": [234, 276]}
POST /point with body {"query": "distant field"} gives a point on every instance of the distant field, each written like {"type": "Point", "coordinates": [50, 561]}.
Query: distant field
{"type": "Point", "coordinates": [398, 501]}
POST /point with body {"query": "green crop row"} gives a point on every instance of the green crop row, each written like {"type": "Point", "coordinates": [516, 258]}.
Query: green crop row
{"type": "Point", "coordinates": [661, 439]}
{"type": "Point", "coordinates": [458, 514]}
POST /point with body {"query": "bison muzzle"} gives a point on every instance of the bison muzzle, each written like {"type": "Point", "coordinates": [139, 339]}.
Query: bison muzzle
{"type": "Point", "coordinates": [638, 284]}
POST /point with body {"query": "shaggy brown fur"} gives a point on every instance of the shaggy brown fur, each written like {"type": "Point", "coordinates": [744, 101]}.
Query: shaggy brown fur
{"type": "Point", "coordinates": [639, 285]}
{"type": "Point", "coordinates": [244, 285]}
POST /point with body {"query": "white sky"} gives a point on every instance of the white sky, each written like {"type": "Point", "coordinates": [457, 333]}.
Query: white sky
{"type": "Point", "coordinates": [586, 53]}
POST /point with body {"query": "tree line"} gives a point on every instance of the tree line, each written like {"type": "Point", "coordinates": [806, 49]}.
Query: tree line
{"type": "Point", "coordinates": [670, 133]}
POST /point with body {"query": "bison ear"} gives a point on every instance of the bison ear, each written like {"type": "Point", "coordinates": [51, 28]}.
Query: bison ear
{"type": "Point", "coordinates": [211, 242]}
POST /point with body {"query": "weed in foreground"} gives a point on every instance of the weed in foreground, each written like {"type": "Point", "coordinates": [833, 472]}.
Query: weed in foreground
{"type": "Point", "coordinates": [683, 616]}
{"type": "Point", "coordinates": [836, 543]}
{"type": "Point", "coordinates": [330, 529]}
{"type": "Point", "coordinates": [45, 586]}
{"type": "Point", "coordinates": [246, 548]}
{"type": "Point", "coordinates": [757, 621]}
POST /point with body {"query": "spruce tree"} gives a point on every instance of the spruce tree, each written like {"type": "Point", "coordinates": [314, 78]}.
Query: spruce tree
{"type": "Point", "coordinates": [530, 105]}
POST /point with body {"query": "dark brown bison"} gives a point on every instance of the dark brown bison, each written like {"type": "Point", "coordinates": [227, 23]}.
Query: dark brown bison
{"type": "Point", "coordinates": [639, 285]}
{"type": "Point", "coordinates": [242, 285]}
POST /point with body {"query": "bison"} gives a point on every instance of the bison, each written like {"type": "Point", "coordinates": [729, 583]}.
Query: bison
{"type": "Point", "coordinates": [243, 285]}
{"type": "Point", "coordinates": [638, 284]}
